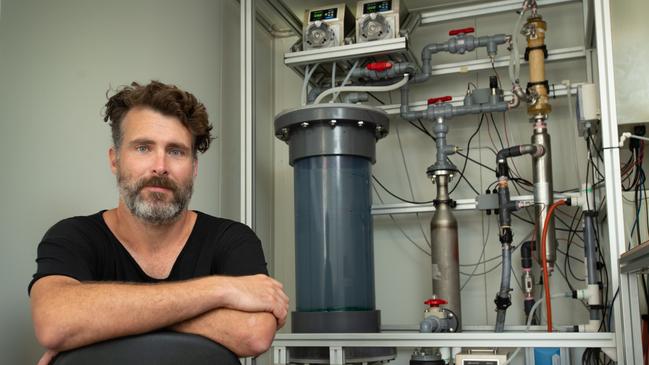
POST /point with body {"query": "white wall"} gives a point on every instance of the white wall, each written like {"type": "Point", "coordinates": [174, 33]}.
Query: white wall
{"type": "Point", "coordinates": [402, 272]}
{"type": "Point", "coordinates": [57, 59]}
{"type": "Point", "coordinates": [630, 59]}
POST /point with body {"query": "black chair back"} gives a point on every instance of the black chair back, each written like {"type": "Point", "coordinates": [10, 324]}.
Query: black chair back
{"type": "Point", "coordinates": [158, 348]}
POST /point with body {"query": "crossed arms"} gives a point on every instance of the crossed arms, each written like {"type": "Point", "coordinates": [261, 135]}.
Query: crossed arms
{"type": "Point", "coordinates": [241, 313]}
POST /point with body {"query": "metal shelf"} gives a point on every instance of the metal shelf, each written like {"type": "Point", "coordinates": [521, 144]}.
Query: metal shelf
{"type": "Point", "coordinates": [336, 341]}
{"type": "Point", "coordinates": [636, 260]}
{"type": "Point", "coordinates": [461, 339]}
{"type": "Point", "coordinates": [484, 201]}
{"type": "Point", "coordinates": [395, 49]}
{"type": "Point", "coordinates": [430, 17]}
{"type": "Point", "coordinates": [485, 63]}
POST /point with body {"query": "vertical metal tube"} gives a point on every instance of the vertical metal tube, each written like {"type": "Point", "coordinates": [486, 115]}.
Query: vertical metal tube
{"type": "Point", "coordinates": [543, 190]}
{"type": "Point", "coordinates": [444, 249]}
{"type": "Point", "coordinates": [590, 250]}
{"type": "Point", "coordinates": [590, 256]}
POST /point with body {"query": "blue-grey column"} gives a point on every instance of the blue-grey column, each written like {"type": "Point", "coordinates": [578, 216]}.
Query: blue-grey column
{"type": "Point", "coordinates": [333, 234]}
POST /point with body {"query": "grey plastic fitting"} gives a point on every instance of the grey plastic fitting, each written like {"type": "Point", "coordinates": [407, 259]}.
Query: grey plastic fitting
{"type": "Point", "coordinates": [352, 98]}
{"type": "Point", "coordinates": [397, 70]}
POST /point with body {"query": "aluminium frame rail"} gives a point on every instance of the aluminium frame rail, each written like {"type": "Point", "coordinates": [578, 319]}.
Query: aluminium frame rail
{"type": "Point", "coordinates": [336, 342]}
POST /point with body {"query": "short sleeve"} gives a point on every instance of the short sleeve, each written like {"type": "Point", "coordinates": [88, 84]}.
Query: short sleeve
{"type": "Point", "coordinates": [65, 250]}
{"type": "Point", "coordinates": [242, 253]}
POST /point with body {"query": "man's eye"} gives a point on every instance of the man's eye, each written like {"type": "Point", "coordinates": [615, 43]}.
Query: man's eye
{"type": "Point", "coordinates": [142, 148]}
{"type": "Point", "coordinates": [177, 152]}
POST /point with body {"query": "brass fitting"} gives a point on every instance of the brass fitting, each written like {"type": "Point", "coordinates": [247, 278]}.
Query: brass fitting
{"type": "Point", "coordinates": [535, 32]}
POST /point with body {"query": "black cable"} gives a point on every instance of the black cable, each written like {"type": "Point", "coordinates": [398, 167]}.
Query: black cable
{"type": "Point", "coordinates": [422, 128]}
{"type": "Point", "coordinates": [638, 205]}
{"type": "Point", "coordinates": [599, 154]}
{"type": "Point", "coordinates": [476, 162]}
{"type": "Point", "coordinates": [377, 99]}
{"type": "Point", "coordinates": [567, 264]}
{"type": "Point", "coordinates": [468, 149]}
{"type": "Point", "coordinates": [398, 197]}
{"type": "Point", "coordinates": [590, 156]}
{"type": "Point", "coordinates": [500, 139]}
{"type": "Point", "coordinates": [469, 183]}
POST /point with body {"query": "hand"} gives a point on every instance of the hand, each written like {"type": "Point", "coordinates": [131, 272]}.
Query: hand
{"type": "Point", "coordinates": [258, 293]}
{"type": "Point", "coordinates": [47, 357]}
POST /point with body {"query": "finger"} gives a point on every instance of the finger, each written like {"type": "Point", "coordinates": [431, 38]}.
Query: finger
{"type": "Point", "coordinates": [47, 357]}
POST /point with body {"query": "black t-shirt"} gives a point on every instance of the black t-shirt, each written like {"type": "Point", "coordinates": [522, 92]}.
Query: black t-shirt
{"type": "Point", "coordinates": [84, 248]}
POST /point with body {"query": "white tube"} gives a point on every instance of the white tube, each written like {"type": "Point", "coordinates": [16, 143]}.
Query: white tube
{"type": "Point", "coordinates": [349, 75]}
{"type": "Point", "coordinates": [514, 56]}
{"type": "Point", "coordinates": [572, 116]}
{"type": "Point", "coordinates": [307, 76]}
{"type": "Point", "coordinates": [340, 89]}
{"type": "Point", "coordinates": [627, 135]}
{"type": "Point", "coordinates": [531, 316]}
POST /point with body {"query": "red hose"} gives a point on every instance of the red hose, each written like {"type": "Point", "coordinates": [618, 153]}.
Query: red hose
{"type": "Point", "coordinates": [544, 262]}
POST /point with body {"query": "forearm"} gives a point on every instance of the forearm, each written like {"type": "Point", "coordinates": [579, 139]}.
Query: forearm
{"type": "Point", "coordinates": [244, 333]}
{"type": "Point", "coordinates": [69, 314]}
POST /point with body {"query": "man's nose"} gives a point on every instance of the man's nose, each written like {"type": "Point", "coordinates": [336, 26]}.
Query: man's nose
{"type": "Point", "coordinates": [160, 164]}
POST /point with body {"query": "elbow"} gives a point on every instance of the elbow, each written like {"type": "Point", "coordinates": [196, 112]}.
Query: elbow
{"type": "Point", "coordinates": [261, 338]}
{"type": "Point", "coordinates": [260, 344]}
{"type": "Point", "coordinates": [49, 336]}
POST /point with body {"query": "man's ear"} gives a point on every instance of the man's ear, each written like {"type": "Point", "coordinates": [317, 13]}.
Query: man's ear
{"type": "Point", "coordinates": [112, 159]}
{"type": "Point", "coordinates": [195, 167]}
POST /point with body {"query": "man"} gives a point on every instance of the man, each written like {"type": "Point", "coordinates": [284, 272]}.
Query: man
{"type": "Point", "coordinates": [151, 263]}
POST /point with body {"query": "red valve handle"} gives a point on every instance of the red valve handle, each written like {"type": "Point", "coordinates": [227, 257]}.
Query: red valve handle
{"type": "Point", "coordinates": [435, 302]}
{"type": "Point", "coordinates": [379, 66]}
{"type": "Point", "coordinates": [441, 99]}
{"type": "Point", "coordinates": [461, 31]}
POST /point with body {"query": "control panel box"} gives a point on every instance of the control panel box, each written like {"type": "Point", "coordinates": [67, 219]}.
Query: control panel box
{"type": "Point", "coordinates": [326, 26]}
{"type": "Point", "coordinates": [588, 111]}
{"type": "Point", "coordinates": [376, 20]}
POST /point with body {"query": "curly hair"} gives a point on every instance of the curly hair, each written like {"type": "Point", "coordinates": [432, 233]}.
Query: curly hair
{"type": "Point", "coordinates": [166, 99]}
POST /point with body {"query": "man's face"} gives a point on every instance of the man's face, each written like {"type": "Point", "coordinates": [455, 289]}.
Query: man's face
{"type": "Point", "coordinates": [154, 165]}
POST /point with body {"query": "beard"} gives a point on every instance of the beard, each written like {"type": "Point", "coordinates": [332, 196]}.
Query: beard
{"type": "Point", "coordinates": [154, 207]}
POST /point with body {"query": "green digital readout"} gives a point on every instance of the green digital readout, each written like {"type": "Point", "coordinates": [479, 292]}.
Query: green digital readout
{"type": "Point", "coordinates": [377, 7]}
{"type": "Point", "coordinates": [323, 14]}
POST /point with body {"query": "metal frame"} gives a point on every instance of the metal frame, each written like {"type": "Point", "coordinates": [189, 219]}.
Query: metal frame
{"type": "Point", "coordinates": [625, 340]}
{"type": "Point", "coordinates": [247, 112]}
{"type": "Point", "coordinates": [627, 328]}
{"type": "Point", "coordinates": [429, 17]}
{"type": "Point", "coordinates": [485, 63]}
{"type": "Point", "coordinates": [358, 50]}
{"type": "Point", "coordinates": [287, 15]}
{"type": "Point", "coordinates": [636, 260]}
{"type": "Point", "coordinates": [462, 204]}
{"type": "Point", "coordinates": [555, 90]}
{"type": "Point", "coordinates": [407, 208]}
{"type": "Point", "coordinates": [337, 341]}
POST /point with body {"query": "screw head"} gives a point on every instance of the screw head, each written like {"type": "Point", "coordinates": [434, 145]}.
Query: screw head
{"type": "Point", "coordinates": [361, 123]}
{"type": "Point", "coordinates": [332, 122]}
{"type": "Point", "coordinates": [304, 124]}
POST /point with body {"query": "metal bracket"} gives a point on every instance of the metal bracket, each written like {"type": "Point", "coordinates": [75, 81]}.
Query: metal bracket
{"type": "Point", "coordinates": [280, 356]}
{"type": "Point", "coordinates": [336, 355]}
{"type": "Point", "coordinates": [611, 352]}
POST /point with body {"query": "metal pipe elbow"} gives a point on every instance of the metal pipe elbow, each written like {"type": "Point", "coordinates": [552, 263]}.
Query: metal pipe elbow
{"type": "Point", "coordinates": [514, 103]}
